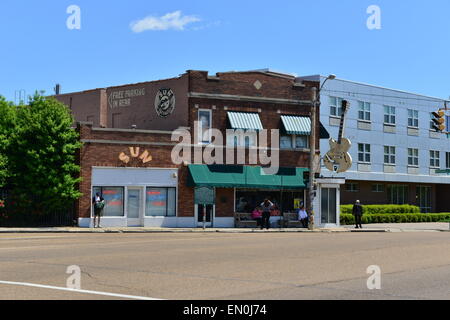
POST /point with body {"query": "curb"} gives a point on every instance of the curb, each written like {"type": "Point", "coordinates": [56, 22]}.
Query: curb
{"type": "Point", "coordinates": [35, 231]}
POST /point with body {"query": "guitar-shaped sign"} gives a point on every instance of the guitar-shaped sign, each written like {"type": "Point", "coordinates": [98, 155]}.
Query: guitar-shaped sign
{"type": "Point", "coordinates": [338, 159]}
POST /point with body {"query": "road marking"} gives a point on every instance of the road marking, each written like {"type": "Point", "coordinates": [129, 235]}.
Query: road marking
{"type": "Point", "coordinates": [25, 284]}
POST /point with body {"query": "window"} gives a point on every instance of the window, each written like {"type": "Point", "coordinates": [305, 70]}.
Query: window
{"type": "Point", "coordinates": [294, 141]}
{"type": "Point", "coordinates": [204, 126]}
{"type": "Point", "coordinates": [301, 142]}
{"type": "Point", "coordinates": [364, 111]}
{"type": "Point", "coordinates": [447, 160]}
{"type": "Point", "coordinates": [432, 124]}
{"type": "Point", "coordinates": [378, 188]}
{"type": "Point", "coordinates": [413, 118]}
{"type": "Point", "coordinates": [352, 187]}
{"type": "Point", "coordinates": [413, 157]}
{"type": "Point", "coordinates": [398, 194]}
{"type": "Point", "coordinates": [389, 155]}
{"type": "Point", "coordinates": [160, 202]}
{"type": "Point", "coordinates": [286, 142]}
{"type": "Point", "coordinates": [364, 152]}
{"type": "Point", "coordinates": [389, 115]}
{"type": "Point", "coordinates": [114, 204]}
{"type": "Point", "coordinates": [242, 138]}
{"type": "Point", "coordinates": [434, 159]}
{"type": "Point", "coordinates": [336, 106]}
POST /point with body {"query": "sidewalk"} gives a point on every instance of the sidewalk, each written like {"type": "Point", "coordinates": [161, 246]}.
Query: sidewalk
{"type": "Point", "coordinates": [405, 227]}
{"type": "Point", "coordinates": [400, 227]}
{"type": "Point", "coordinates": [163, 230]}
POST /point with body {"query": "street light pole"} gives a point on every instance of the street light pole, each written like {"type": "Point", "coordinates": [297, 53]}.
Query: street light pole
{"type": "Point", "coordinates": [312, 147]}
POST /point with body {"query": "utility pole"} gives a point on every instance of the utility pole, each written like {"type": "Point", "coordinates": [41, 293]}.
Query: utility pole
{"type": "Point", "coordinates": [312, 156]}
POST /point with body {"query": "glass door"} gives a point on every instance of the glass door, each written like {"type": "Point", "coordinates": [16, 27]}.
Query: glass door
{"type": "Point", "coordinates": [328, 206]}
{"type": "Point", "coordinates": [423, 196]}
{"type": "Point", "coordinates": [134, 207]}
{"type": "Point", "coordinates": [200, 210]}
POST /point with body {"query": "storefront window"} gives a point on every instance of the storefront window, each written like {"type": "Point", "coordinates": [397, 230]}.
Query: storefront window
{"type": "Point", "coordinates": [288, 201]}
{"type": "Point", "coordinates": [160, 202]}
{"type": "Point", "coordinates": [113, 196]}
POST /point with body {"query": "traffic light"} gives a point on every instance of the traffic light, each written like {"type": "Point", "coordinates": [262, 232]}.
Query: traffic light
{"type": "Point", "coordinates": [439, 120]}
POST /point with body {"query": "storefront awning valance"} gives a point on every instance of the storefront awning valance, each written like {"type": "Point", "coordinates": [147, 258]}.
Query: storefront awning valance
{"type": "Point", "coordinates": [245, 121]}
{"type": "Point", "coordinates": [224, 176]}
{"type": "Point", "coordinates": [297, 125]}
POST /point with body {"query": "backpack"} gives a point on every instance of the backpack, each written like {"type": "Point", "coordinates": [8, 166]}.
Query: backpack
{"type": "Point", "coordinates": [99, 205]}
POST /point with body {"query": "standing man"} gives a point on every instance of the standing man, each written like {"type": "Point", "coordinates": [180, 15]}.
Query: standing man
{"type": "Point", "coordinates": [99, 204]}
{"type": "Point", "coordinates": [266, 206]}
{"type": "Point", "coordinates": [358, 212]}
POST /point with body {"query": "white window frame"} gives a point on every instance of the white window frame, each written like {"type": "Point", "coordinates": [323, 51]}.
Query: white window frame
{"type": "Point", "coordinates": [364, 110]}
{"type": "Point", "coordinates": [413, 118]}
{"type": "Point", "coordinates": [200, 126]}
{"type": "Point", "coordinates": [336, 106]}
{"type": "Point", "coordinates": [366, 151]}
{"type": "Point", "coordinates": [391, 154]}
{"type": "Point", "coordinates": [435, 161]}
{"type": "Point", "coordinates": [390, 115]}
{"type": "Point", "coordinates": [413, 155]}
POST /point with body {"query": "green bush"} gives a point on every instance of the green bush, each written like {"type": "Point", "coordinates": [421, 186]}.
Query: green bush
{"type": "Point", "coordinates": [348, 219]}
{"type": "Point", "coordinates": [382, 209]}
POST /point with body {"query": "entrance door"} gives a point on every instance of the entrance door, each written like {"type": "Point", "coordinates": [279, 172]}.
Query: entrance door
{"type": "Point", "coordinates": [328, 208]}
{"type": "Point", "coordinates": [134, 207]}
{"type": "Point", "coordinates": [423, 195]}
{"type": "Point", "coordinates": [209, 215]}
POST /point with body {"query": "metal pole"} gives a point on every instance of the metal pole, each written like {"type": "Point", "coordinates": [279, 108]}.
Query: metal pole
{"type": "Point", "coordinates": [312, 148]}
{"type": "Point", "coordinates": [204, 216]}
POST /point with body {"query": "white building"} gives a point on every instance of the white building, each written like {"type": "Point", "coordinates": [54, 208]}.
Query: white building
{"type": "Point", "coordinates": [396, 155]}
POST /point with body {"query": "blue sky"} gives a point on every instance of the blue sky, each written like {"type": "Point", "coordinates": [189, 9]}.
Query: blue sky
{"type": "Point", "coordinates": [410, 52]}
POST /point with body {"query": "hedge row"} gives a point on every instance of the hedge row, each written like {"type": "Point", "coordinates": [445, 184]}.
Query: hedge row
{"type": "Point", "coordinates": [348, 219]}
{"type": "Point", "coordinates": [382, 209]}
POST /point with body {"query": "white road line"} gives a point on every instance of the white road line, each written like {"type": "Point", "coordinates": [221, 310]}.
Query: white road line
{"type": "Point", "coordinates": [77, 291]}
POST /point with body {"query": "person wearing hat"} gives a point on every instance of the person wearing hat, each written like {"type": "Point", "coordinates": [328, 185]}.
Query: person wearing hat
{"type": "Point", "coordinates": [357, 213]}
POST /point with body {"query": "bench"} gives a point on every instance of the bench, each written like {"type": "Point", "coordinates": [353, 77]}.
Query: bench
{"type": "Point", "coordinates": [244, 220]}
{"type": "Point", "coordinates": [290, 220]}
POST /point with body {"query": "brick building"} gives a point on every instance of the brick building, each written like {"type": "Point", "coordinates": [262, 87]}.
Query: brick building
{"type": "Point", "coordinates": [128, 147]}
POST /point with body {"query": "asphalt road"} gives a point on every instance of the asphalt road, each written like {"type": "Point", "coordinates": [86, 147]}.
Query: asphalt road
{"type": "Point", "coordinates": [414, 265]}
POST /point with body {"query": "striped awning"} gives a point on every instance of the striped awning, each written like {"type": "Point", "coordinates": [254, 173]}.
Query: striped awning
{"type": "Point", "coordinates": [245, 121]}
{"type": "Point", "coordinates": [296, 125]}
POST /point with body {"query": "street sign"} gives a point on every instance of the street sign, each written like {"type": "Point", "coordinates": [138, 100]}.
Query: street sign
{"type": "Point", "coordinates": [205, 195]}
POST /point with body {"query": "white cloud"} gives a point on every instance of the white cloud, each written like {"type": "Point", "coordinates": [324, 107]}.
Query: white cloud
{"type": "Point", "coordinates": [174, 20]}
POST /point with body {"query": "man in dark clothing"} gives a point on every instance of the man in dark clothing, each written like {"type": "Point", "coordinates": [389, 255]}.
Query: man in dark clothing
{"type": "Point", "coordinates": [266, 206]}
{"type": "Point", "coordinates": [358, 212]}
{"type": "Point", "coordinates": [99, 202]}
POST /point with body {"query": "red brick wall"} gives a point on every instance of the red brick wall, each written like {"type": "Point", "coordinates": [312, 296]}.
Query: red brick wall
{"type": "Point", "coordinates": [86, 105]}
{"type": "Point", "coordinates": [106, 154]}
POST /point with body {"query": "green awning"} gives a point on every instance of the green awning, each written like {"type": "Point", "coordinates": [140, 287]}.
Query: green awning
{"type": "Point", "coordinates": [297, 125]}
{"type": "Point", "coordinates": [245, 121]}
{"type": "Point", "coordinates": [224, 176]}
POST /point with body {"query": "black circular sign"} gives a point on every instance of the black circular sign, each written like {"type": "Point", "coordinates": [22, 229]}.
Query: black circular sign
{"type": "Point", "coordinates": [165, 102]}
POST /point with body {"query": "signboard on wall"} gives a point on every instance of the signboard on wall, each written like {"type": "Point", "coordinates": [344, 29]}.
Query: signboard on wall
{"type": "Point", "coordinates": [204, 195]}
{"type": "Point", "coordinates": [123, 98]}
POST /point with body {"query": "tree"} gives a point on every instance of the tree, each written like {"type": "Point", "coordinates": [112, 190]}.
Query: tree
{"type": "Point", "coordinates": [7, 120]}
{"type": "Point", "coordinates": [42, 155]}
